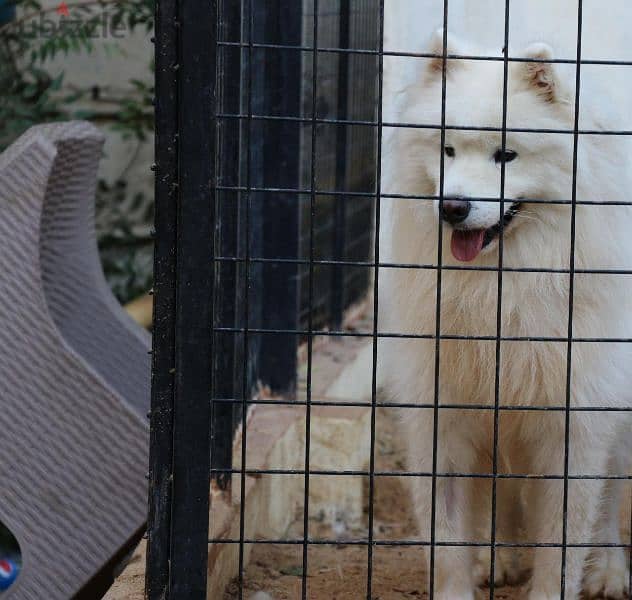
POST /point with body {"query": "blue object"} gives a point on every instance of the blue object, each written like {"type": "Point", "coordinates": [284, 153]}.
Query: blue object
{"type": "Point", "coordinates": [8, 573]}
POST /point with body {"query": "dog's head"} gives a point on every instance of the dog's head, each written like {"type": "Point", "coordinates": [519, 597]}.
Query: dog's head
{"type": "Point", "coordinates": [479, 163]}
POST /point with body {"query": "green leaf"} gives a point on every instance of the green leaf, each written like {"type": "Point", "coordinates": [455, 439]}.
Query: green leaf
{"type": "Point", "coordinates": [55, 84]}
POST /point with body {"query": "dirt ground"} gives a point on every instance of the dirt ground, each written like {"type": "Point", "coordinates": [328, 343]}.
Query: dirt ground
{"type": "Point", "coordinates": [339, 572]}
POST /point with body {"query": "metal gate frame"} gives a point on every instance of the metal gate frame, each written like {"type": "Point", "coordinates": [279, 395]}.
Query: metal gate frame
{"type": "Point", "coordinates": [182, 347]}
{"type": "Point", "coordinates": [183, 390]}
{"type": "Point", "coordinates": [209, 252]}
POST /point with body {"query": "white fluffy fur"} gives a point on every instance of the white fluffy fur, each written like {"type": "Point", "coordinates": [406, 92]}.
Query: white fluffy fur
{"type": "Point", "coordinates": [533, 304]}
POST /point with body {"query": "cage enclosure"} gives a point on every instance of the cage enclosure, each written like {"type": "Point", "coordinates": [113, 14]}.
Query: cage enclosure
{"type": "Point", "coordinates": [389, 358]}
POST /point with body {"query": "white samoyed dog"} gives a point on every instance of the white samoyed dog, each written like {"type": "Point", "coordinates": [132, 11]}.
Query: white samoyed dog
{"type": "Point", "coordinates": [531, 387]}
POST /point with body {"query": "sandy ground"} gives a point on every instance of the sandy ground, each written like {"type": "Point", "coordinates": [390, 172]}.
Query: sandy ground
{"type": "Point", "coordinates": [130, 585]}
{"type": "Point", "coordinates": [335, 572]}
{"type": "Point", "coordinates": [339, 572]}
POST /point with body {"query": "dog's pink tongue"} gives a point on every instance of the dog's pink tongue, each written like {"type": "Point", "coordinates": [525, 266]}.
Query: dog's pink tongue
{"type": "Point", "coordinates": [466, 244]}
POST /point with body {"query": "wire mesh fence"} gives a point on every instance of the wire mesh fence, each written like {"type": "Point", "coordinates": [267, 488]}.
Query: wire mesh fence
{"type": "Point", "coordinates": [271, 221]}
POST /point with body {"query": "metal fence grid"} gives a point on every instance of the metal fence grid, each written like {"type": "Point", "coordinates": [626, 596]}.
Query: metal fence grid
{"type": "Point", "coordinates": [192, 62]}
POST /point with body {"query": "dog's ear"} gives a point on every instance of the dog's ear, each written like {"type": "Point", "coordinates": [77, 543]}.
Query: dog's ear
{"type": "Point", "coordinates": [436, 47]}
{"type": "Point", "coordinates": [541, 76]}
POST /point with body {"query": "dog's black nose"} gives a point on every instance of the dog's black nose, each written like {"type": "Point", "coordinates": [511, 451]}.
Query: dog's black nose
{"type": "Point", "coordinates": [455, 211]}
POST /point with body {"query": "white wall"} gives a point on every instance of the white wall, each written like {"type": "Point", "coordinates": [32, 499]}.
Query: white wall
{"type": "Point", "coordinates": [111, 65]}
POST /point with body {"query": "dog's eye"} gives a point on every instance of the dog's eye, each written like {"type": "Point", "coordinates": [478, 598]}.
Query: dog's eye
{"type": "Point", "coordinates": [449, 151]}
{"type": "Point", "coordinates": [506, 156]}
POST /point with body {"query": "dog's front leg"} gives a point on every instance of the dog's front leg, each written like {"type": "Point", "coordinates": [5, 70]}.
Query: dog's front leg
{"type": "Point", "coordinates": [457, 515]}
{"type": "Point", "coordinates": [545, 510]}
{"type": "Point", "coordinates": [608, 573]}
{"type": "Point", "coordinates": [453, 506]}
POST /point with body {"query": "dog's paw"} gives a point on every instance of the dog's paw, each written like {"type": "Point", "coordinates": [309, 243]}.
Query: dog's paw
{"type": "Point", "coordinates": [548, 588]}
{"type": "Point", "coordinates": [607, 574]}
{"type": "Point", "coordinates": [507, 568]}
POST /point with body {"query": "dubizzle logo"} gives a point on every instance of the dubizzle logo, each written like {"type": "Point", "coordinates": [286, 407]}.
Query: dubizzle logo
{"type": "Point", "coordinates": [98, 26]}
{"type": "Point", "coordinates": [62, 10]}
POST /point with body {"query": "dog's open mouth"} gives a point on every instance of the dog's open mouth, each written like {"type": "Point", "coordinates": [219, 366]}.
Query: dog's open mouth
{"type": "Point", "coordinates": [466, 244]}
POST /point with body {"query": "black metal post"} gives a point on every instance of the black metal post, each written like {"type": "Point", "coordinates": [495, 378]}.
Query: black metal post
{"type": "Point", "coordinates": [340, 205]}
{"type": "Point", "coordinates": [276, 90]}
{"type": "Point", "coordinates": [163, 359]}
{"type": "Point", "coordinates": [194, 287]}
{"type": "Point", "coordinates": [226, 384]}
{"type": "Point", "coordinates": [185, 90]}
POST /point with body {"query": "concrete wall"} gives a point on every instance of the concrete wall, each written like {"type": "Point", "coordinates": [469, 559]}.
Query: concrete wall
{"type": "Point", "coordinates": [111, 65]}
